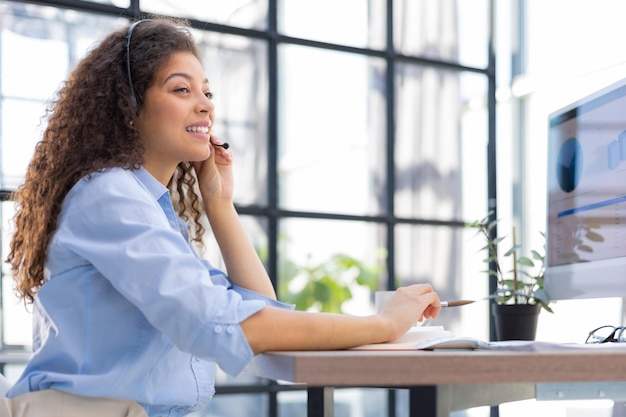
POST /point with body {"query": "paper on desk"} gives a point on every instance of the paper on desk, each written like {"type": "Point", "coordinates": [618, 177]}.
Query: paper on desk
{"type": "Point", "coordinates": [411, 339]}
{"type": "Point", "coordinates": [435, 338]}
{"type": "Point", "coordinates": [427, 337]}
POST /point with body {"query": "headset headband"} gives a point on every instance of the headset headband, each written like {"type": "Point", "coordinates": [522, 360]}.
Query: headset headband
{"type": "Point", "coordinates": [133, 96]}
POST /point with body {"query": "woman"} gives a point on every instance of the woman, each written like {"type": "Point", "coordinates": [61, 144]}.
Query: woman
{"type": "Point", "coordinates": [125, 312]}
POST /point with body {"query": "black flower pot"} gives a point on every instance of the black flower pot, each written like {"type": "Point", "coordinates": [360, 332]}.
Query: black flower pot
{"type": "Point", "coordinates": [515, 321]}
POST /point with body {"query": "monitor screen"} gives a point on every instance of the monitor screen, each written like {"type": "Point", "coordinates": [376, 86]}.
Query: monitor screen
{"type": "Point", "coordinates": [586, 201]}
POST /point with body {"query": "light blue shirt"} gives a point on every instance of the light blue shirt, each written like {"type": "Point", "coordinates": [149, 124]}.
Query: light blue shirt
{"type": "Point", "coordinates": [128, 309]}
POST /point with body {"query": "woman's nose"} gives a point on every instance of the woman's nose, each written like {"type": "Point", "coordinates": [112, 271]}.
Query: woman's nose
{"type": "Point", "coordinates": [205, 104]}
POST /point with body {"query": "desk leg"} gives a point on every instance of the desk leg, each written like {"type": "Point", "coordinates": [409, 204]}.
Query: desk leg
{"type": "Point", "coordinates": [423, 401]}
{"type": "Point", "coordinates": [320, 402]}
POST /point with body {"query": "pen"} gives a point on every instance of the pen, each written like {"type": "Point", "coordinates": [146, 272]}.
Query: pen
{"type": "Point", "coordinates": [456, 303]}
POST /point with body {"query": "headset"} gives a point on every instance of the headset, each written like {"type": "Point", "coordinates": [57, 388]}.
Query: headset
{"type": "Point", "coordinates": [133, 95]}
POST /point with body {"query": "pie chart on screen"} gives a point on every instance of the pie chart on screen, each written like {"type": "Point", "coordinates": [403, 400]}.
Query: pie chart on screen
{"type": "Point", "coordinates": [569, 165]}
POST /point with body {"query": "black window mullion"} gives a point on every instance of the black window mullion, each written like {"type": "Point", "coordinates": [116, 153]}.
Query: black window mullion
{"type": "Point", "coordinates": [390, 171]}
{"type": "Point", "coordinates": [390, 148]}
{"type": "Point", "coordinates": [272, 163]}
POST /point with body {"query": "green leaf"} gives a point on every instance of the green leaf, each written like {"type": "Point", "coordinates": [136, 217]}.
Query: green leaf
{"type": "Point", "coordinates": [491, 224]}
{"type": "Point", "coordinates": [542, 296]}
{"type": "Point", "coordinates": [509, 252]}
{"type": "Point", "coordinates": [525, 261]}
{"type": "Point", "coordinates": [321, 292]}
{"type": "Point", "coordinates": [508, 283]}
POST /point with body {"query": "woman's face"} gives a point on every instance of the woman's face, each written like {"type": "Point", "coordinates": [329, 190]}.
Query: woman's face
{"type": "Point", "coordinates": [176, 117]}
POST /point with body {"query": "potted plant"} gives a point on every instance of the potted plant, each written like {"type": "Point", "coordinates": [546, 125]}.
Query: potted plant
{"type": "Point", "coordinates": [519, 295]}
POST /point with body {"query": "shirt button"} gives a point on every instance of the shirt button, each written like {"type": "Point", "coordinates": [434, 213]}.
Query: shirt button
{"type": "Point", "coordinates": [230, 329]}
{"type": "Point", "coordinates": [217, 328]}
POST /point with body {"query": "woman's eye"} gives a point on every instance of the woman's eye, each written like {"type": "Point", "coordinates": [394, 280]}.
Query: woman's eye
{"type": "Point", "coordinates": [182, 90]}
{"type": "Point", "coordinates": [209, 95]}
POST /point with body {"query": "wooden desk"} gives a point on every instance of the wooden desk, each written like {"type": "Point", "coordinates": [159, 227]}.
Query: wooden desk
{"type": "Point", "coordinates": [446, 380]}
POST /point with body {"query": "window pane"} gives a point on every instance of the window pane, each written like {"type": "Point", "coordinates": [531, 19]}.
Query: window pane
{"type": "Point", "coordinates": [256, 229]}
{"type": "Point", "coordinates": [331, 131]}
{"type": "Point", "coordinates": [474, 138]}
{"type": "Point", "coordinates": [28, 79]}
{"type": "Point", "coordinates": [237, 71]}
{"type": "Point", "coordinates": [241, 13]}
{"type": "Point", "coordinates": [450, 260]}
{"type": "Point", "coordinates": [451, 30]}
{"type": "Point", "coordinates": [329, 265]}
{"type": "Point", "coordinates": [441, 140]}
{"type": "Point", "coordinates": [348, 22]}
{"type": "Point", "coordinates": [20, 130]}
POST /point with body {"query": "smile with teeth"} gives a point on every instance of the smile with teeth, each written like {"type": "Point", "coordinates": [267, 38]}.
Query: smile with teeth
{"type": "Point", "coordinates": [198, 129]}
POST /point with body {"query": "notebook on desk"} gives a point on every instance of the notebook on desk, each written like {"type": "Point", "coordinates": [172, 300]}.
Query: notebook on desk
{"type": "Point", "coordinates": [416, 336]}
{"type": "Point", "coordinates": [436, 337]}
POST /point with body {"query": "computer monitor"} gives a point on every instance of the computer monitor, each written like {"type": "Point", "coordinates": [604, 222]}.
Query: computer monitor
{"type": "Point", "coordinates": [586, 201]}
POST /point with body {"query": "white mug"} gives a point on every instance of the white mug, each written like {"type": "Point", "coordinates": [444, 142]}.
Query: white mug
{"type": "Point", "coordinates": [382, 297]}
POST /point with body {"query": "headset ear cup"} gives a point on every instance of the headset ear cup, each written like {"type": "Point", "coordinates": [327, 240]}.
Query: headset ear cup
{"type": "Point", "coordinates": [133, 99]}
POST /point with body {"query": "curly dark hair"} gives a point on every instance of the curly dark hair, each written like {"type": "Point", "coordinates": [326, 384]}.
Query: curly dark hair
{"type": "Point", "coordinates": [91, 125]}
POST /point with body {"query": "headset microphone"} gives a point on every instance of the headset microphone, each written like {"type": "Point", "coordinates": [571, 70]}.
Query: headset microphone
{"type": "Point", "coordinates": [223, 145]}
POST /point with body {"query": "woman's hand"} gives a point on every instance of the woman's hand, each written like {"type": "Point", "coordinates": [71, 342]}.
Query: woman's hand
{"type": "Point", "coordinates": [409, 305]}
{"type": "Point", "coordinates": [215, 174]}
{"type": "Point", "coordinates": [215, 177]}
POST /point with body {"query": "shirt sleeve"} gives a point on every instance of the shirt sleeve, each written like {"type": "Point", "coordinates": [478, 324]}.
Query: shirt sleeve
{"type": "Point", "coordinates": [112, 224]}
{"type": "Point", "coordinates": [220, 278]}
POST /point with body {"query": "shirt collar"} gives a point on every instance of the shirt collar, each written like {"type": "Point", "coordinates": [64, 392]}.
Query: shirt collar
{"type": "Point", "coordinates": [161, 195]}
{"type": "Point", "coordinates": [153, 186]}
